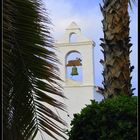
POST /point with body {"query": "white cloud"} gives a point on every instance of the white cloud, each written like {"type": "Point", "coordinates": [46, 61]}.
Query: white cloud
{"type": "Point", "coordinates": [62, 14]}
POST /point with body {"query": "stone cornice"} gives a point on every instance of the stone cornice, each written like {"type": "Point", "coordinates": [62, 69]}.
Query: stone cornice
{"type": "Point", "coordinates": [75, 44]}
{"type": "Point", "coordinates": [72, 86]}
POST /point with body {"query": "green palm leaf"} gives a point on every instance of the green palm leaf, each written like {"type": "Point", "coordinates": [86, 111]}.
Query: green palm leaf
{"type": "Point", "coordinates": [30, 72]}
{"type": "Point", "coordinates": [130, 3]}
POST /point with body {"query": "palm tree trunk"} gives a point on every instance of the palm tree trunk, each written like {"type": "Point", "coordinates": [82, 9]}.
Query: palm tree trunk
{"type": "Point", "coordinates": [116, 48]}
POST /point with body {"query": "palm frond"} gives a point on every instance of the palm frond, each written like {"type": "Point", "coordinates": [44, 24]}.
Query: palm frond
{"type": "Point", "coordinates": [130, 3]}
{"type": "Point", "coordinates": [30, 72]}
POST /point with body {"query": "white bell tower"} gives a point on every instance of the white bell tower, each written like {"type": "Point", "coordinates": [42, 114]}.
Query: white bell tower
{"type": "Point", "coordinates": [77, 69]}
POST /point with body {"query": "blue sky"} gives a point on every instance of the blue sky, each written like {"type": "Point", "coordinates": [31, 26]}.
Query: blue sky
{"type": "Point", "coordinates": [87, 14]}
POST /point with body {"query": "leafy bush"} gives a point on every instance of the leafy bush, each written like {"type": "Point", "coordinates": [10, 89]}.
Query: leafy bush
{"type": "Point", "coordinates": [111, 119]}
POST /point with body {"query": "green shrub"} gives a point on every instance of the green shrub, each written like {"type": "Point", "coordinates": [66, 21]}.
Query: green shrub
{"type": "Point", "coordinates": [111, 119]}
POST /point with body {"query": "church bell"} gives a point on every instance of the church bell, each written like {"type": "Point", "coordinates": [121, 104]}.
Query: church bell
{"type": "Point", "coordinates": [74, 71]}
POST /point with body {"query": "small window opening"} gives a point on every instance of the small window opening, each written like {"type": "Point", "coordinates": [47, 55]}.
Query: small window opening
{"type": "Point", "coordinates": [73, 38]}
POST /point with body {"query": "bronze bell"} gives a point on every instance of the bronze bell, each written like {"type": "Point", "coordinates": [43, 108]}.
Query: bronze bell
{"type": "Point", "coordinates": [74, 71]}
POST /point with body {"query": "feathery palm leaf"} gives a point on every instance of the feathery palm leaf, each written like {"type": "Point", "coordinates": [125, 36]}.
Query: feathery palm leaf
{"type": "Point", "coordinates": [133, 1]}
{"type": "Point", "coordinates": [29, 61]}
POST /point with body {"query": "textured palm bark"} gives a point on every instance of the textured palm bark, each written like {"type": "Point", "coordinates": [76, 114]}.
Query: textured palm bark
{"type": "Point", "coordinates": [116, 48]}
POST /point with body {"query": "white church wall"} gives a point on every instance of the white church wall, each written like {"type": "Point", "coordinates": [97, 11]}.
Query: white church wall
{"type": "Point", "coordinates": [78, 97]}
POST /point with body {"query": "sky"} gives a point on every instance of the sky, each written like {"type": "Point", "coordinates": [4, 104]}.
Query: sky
{"type": "Point", "coordinates": [87, 14]}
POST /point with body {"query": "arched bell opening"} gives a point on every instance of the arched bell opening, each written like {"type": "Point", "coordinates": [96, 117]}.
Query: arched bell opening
{"type": "Point", "coordinates": [73, 37]}
{"type": "Point", "coordinates": [73, 66]}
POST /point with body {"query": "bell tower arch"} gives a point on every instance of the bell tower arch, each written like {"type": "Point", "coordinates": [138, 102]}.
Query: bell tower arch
{"type": "Point", "coordinates": [73, 66]}
{"type": "Point", "coordinates": [76, 57]}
